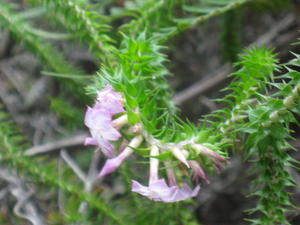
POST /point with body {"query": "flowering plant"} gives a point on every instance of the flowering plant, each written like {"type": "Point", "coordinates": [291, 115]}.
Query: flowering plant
{"type": "Point", "coordinates": [134, 116]}
{"type": "Point", "coordinates": [99, 119]}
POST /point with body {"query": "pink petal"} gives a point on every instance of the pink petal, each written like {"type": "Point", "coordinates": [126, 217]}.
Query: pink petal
{"type": "Point", "coordinates": [215, 157]}
{"type": "Point", "coordinates": [112, 164]}
{"type": "Point", "coordinates": [95, 118]}
{"type": "Point", "coordinates": [103, 141]}
{"type": "Point", "coordinates": [110, 133]}
{"type": "Point", "coordinates": [159, 191]}
{"type": "Point", "coordinates": [90, 141]}
{"type": "Point", "coordinates": [110, 100]}
{"type": "Point", "coordinates": [100, 124]}
{"type": "Point", "coordinates": [184, 193]}
{"type": "Point", "coordinates": [208, 152]}
{"type": "Point", "coordinates": [137, 187]}
{"type": "Point", "coordinates": [106, 147]}
{"type": "Point", "coordinates": [198, 171]}
{"type": "Point", "coordinates": [159, 185]}
{"type": "Point", "coordinates": [111, 106]}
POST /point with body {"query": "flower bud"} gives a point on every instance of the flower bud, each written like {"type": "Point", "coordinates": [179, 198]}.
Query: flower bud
{"type": "Point", "coordinates": [180, 156]}
{"type": "Point", "coordinates": [112, 164]}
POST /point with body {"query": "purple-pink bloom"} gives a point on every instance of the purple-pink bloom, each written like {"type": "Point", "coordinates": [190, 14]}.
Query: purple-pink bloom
{"type": "Point", "coordinates": [99, 122]}
{"type": "Point", "coordinates": [112, 164]}
{"type": "Point", "coordinates": [215, 157]}
{"type": "Point", "coordinates": [210, 153]}
{"type": "Point", "coordinates": [160, 191]}
{"type": "Point", "coordinates": [198, 171]}
{"type": "Point", "coordinates": [110, 100]}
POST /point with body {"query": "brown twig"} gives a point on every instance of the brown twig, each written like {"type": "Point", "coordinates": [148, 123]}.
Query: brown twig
{"type": "Point", "coordinates": [24, 207]}
{"type": "Point", "coordinates": [219, 76]}
{"type": "Point", "coordinates": [203, 85]}
{"type": "Point", "coordinates": [64, 143]}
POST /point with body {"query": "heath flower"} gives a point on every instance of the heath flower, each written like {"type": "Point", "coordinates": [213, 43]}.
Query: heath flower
{"type": "Point", "coordinates": [198, 171]}
{"type": "Point", "coordinates": [158, 190]}
{"type": "Point", "coordinates": [99, 120]}
{"type": "Point", "coordinates": [110, 100]}
{"type": "Point", "coordinates": [215, 157]}
{"type": "Point", "coordinates": [112, 164]}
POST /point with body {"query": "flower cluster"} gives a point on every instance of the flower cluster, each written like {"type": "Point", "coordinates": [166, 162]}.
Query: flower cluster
{"type": "Point", "coordinates": [158, 190]}
{"type": "Point", "coordinates": [104, 130]}
{"type": "Point", "coordinates": [99, 120]}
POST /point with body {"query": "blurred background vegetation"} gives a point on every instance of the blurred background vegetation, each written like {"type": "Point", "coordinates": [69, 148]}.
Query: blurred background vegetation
{"type": "Point", "coordinates": [42, 96]}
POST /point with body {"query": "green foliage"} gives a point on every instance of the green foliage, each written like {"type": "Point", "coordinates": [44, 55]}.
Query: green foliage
{"type": "Point", "coordinates": [269, 145]}
{"type": "Point", "coordinates": [256, 70]}
{"type": "Point", "coordinates": [19, 26]}
{"type": "Point", "coordinates": [134, 62]}
{"type": "Point", "coordinates": [22, 31]}
{"type": "Point", "coordinates": [88, 25]}
{"type": "Point", "coordinates": [72, 117]}
{"type": "Point", "coordinates": [166, 19]}
{"type": "Point", "coordinates": [262, 121]}
{"type": "Point", "coordinates": [150, 212]}
{"type": "Point", "coordinates": [149, 70]}
{"type": "Point", "coordinates": [230, 35]}
{"type": "Point", "coordinates": [269, 133]}
{"type": "Point", "coordinates": [275, 5]}
{"type": "Point", "coordinates": [11, 146]}
{"type": "Point", "coordinates": [141, 77]}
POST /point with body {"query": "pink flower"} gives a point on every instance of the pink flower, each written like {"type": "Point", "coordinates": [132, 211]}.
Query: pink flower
{"type": "Point", "coordinates": [198, 171]}
{"type": "Point", "coordinates": [215, 157]}
{"type": "Point", "coordinates": [160, 191]}
{"type": "Point", "coordinates": [110, 100]}
{"type": "Point", "coordinates": [112, 164]}
{"type": "Point", "coordinates": [99, 122]}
